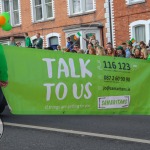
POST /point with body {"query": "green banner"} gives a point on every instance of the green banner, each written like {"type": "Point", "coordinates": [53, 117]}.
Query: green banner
{"type": "Point", "coordinates": [52, 82]}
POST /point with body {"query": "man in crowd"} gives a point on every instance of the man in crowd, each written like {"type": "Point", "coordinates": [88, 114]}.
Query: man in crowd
{"type": "Point", "coordinates": [27, 40]}
{"type": "Point", "coordinates": [75, 48]}
{"type": "Point", "coordinates": [69, 44]}
{"type": "Point", "coordinates": [120, 52]}
{"type": "Point", "coordinates": [126, 50]}
{"type": "Point", "coordinates": [89, 47]}
{"type": "Point", "coordinates": [39, 42]}
{"type": "Point", "coordinates": [12, 41]}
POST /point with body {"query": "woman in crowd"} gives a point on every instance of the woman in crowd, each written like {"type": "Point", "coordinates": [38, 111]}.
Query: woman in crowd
{"type": "Point", "coordinates": [143, 49]}
{"type": "Point", "coordinates": [100, 51]}
{"type": "Point", "coordinates": [92, 41]}
{"type": "Point", "coordinates": [92, 51]}
{"type": "Point", "coordinates": [137, 52]}
{"type": "Point", "coordinates": [110, 51]}
{"type": "Point", "coordinates": [58, 48]}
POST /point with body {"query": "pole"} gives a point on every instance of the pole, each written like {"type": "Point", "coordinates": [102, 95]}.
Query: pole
{"type": "Point", "coordinates": [110, 20]}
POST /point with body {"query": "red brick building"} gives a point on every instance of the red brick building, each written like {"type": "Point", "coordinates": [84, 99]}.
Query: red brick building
{"type": "Point", "coordinates": [131, 20]}
{"type": "Point", "coordinates": [57, 19]}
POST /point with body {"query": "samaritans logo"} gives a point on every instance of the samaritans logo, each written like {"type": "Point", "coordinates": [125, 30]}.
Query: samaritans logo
{"type": "Point", "coordinates": [110, 102]}
{"type": "Point", "coordinates": [1, 128]}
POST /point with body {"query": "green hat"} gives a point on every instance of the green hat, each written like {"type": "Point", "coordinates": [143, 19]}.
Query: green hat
{"type": "Point", "coordinates": [119, 48]}
{"type": "Point", "coordinates": [129, 42]}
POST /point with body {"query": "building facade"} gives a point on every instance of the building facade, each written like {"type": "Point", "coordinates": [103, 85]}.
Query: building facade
{"type": "Point", "coordinates": [131, 20]}
{"type": "Point", "coordinates": [56, 20]}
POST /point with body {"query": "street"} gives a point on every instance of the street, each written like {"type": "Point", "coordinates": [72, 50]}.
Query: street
{"type": "Point", "coordinates": [75, 132]}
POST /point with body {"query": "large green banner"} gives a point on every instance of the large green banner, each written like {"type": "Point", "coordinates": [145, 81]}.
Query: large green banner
{"type": "Point", "coordinates": [53, 82]}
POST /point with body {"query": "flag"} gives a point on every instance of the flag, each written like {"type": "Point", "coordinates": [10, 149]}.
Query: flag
{"type": "Point", "coordinates": [77, 36]}
{"type": "Point", "coordinates": [133, 40]}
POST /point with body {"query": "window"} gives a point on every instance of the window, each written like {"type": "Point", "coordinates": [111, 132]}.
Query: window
{"type": "Point", "coordinates": [13, 8]}
{"type": "Point", "coordinates": [130, 2]}
{"type": "Point", "coordinates": [140, 30]}
{"type": "Point", "coordinates": [140, 33]}
{"type": "Point", "coordinates": [81, 6]}
{"type": "Point", "coordinates": [42, 10]}
{"type": "Point", "coordinates": [53, 42]}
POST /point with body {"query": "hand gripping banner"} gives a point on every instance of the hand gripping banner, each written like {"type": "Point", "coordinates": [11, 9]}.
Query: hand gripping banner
{"type": "Point", "coordinates": [52, 82]}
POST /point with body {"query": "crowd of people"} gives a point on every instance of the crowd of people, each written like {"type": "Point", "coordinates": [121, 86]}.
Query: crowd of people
{"type": "Point", "coordinates": [37, 44]}
{"type": "Point", "coordinates": [126, 49]}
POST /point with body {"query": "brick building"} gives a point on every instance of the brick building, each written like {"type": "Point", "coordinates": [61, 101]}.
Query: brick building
{"type": "Point", "coordinates": [57, 19]}
{"type": "Point", "coordinates": [131, 20]}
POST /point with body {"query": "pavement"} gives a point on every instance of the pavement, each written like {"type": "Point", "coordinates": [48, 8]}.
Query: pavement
{"type": "Point", "coordinates": [75, 132]}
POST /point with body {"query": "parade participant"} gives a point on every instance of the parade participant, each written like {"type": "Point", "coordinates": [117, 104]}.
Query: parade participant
{"type": "Point", "coordinates": [3, 78]}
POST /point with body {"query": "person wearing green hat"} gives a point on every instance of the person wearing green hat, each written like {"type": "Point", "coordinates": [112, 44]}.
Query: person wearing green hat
{"type": "Point", "coordinates": [3, 78]}
{"type": "Point", "coordinates": [120, 52]}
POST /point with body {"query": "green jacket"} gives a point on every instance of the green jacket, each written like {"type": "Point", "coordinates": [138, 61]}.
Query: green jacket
{"type": "Point", "coordinates": [3, 66]}
{"type": "Point", "coordinates": [28, 42]}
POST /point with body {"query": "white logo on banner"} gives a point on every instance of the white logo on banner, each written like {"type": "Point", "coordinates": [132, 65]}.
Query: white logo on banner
{"type": "Point", "coordinates": [1, 128]}
{"type": "Point", "coordinates": [109, 102]}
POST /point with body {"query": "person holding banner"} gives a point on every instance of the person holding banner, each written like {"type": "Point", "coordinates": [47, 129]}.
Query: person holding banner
{"type": "Point", "coordinates": [3, 78]}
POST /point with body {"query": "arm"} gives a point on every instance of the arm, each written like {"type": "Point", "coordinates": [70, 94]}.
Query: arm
{"type": "Point", "coordinates": [86, 39]}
